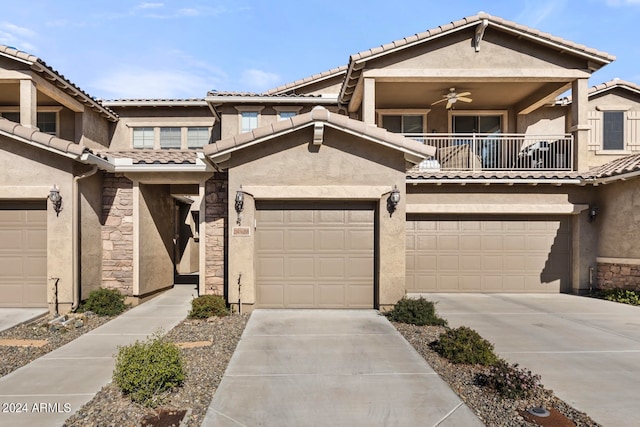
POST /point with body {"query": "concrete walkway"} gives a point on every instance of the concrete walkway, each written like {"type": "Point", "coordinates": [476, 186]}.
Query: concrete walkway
{"type": "Point", "coordinates": [10, 317]}
{"type": "Point", "coordinates": [330, 368]}
{"type": "Point", "coordinates": [586, 350]}
{"type": "Point", "coordinates": [50, 389]}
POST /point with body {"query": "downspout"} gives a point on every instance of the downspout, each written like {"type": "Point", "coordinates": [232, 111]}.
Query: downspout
{"type": "Point", "coordinates": [75, 238]}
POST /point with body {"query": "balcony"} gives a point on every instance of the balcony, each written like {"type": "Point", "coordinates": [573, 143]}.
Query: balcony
{"type": "Point", "coordinates": [497, 152]}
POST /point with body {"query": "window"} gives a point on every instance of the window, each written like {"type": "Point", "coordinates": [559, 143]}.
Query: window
{"type": "Point", "coordinates": [283, 115]}
{"type": "Point", "coordinates": [613, 130]}
{"type": "Point", "coordinates": [476, 124]}
{"type": "Point", "coordinates": [403, 123]}
{"type": "Point", "coordinates": [249, 121]}
{"type": "Point", "coordinates": [143, 137]}
{"type": "Point", "coordinates": [170, 138]}
{"type": "Point", "coordinates": [197, 137]}
{"type": "Point", "coordinates": [46, 121]}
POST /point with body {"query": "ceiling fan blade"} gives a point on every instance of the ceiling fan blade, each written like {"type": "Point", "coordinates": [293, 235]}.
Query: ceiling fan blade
{"type": "Point", "coordinates": [464, 94]}
{"type": "Point", "coordinates": [450, 103]}
{"type": "Point", "coordinates": [442, 100]}
{"type": "Point", "coordinates": [463, 99]}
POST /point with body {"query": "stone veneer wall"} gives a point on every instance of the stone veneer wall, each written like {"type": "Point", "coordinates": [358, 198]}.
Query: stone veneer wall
{"type": "Point", "coordinates": [614, 275]}
{"type": "Point", "coordinates": [117, 234]}
{"type": "Point", "coordinates": [216, 236]}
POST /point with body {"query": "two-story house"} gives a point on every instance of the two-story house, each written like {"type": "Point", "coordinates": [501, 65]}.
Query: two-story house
{"type": "Point", "coordinates": [447, 161]}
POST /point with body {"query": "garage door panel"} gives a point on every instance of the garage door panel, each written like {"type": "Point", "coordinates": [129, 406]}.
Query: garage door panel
{"type": "Point", "coordinates": [23, 254]}
{"type": "Point", "coordinates": [516, 254]}
{"type": "Point", "coordinates": [273, 240]}
{"type": "Point", "coordinates": [271, 267]}
{"type": "Point", "coordinates": [271, 295]}
{"type": "Point", "coordinates": [327, 258]}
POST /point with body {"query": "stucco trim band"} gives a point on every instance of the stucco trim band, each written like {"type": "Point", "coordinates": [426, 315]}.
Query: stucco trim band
{"type": "Point", "coordinates": [627, 261]}
{"type": "Point", "coordinates": [302, 192]}
{"type": "Point", "coordinates": [504, 208]}
{"type": "Point", "coordinates": [26, 192]}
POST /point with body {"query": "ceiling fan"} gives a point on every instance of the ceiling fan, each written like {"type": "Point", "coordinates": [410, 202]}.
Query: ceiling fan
{"type": "Point", "coordinates": [452, 97]}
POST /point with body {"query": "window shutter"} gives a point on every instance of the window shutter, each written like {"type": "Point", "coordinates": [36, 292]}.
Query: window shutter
{"type": "Point", "coordinates": [594, 135]}
{"type": "Point", "coordinates": [632, 130]}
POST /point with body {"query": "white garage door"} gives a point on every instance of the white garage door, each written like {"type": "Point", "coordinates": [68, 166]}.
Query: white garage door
{"type": "Point", "coordinates": [315, 255]}
{"type": "Point", "coordinates": [492, 254]}
{"type": "Point", "coordinates": [23, 254]}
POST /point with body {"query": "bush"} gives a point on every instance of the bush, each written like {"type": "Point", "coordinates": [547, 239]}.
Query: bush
{"type": "Point", "coordinates": [146, 370]}
{"type": "Point", "coordinates": [625, 296]}
{"type": "Point", "coordinates": [464, 345]}
{"type": "Point", "coordinates": [418, 312]}
{"type": "Point", "coordinates": [207, 306]}
{"type": "Point", "coordinates": [104, 302]}
{"type": "Point", "coordinates": [510, 381]}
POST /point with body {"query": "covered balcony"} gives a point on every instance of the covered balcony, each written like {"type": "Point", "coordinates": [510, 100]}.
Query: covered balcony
{"type": "Point", "coordinates": [497, 151]}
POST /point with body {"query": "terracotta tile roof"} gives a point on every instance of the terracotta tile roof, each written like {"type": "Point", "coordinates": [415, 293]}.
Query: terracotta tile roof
{"type": "Point", "coordinates": [260, 95]}
{"type": "Point", "coordinates": [320, 114]}
{"type": "Point", "coordinates": [59, 81]}
{"type": "Point", "coordinates": [154, 102]}
{"type": "Point", "coordinates": [308, 80]}
{"type": "Point", "coordinates": [603, 87]}
{"type": "Point", "coordinates": [622, 166]}
{"type": "Point", "coordinates": [155, 157]}
{"type": "Point", "coordinates": [42, 139]}
{"type": "Point", "coordinates": [356, 61]}
{"type": "Point", "coordinates": [427, 175]}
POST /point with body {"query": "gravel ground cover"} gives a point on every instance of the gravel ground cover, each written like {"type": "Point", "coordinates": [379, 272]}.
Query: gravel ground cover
{"type": "Point", "coordinates": [13, 357]}
{"type": "Point", "coordinates": [205, 366]}
{"type": "Point", "coordinates": [492, 409]}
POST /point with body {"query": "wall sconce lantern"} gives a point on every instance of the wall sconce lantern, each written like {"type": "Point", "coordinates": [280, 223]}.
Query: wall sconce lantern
{"type": "Point", "coordinates": [393, 200]}
{"type": "Point", "coordinates": [56, 199]}
{"type": "Point", "coordinates": [593, 212]}
{"type": "Point", "coordinates": [239, 204]}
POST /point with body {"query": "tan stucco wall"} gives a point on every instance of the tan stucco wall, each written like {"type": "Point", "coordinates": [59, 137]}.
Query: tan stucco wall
{"type": "Point", "coordinates": [155, 233]}
{"type": "Point", "coordinates": [95, 130]}
{"type": "Point", "coordinates": [619, 220]}
{"type": "Point", "coordinates": [28, 173]}
{"type": "Point", "coordinates": [90, 230]}
{"type": "Point", "coordinates": [281, 167]}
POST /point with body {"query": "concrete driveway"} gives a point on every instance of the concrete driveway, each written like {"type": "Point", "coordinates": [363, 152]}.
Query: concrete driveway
{"type": "Point", "coordinates": [10, 317]}
{"type": "Point", "coordinates": [331, 368]}
{"type": "Point", "coordinates": [586, 350]}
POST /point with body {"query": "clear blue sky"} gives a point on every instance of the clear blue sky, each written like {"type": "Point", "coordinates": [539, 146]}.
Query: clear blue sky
{"type": "Point", "coordinates": [183, 48]}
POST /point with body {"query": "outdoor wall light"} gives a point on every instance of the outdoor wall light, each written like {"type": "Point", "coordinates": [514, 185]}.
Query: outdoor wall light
{"type": "Point", "coordinates": [239, 204]}
{"type": "Point", "coordinates": [393, 200]}
{"type": "Point", "coordinates": [56, 199]}
{"type": "Point", "coordinates": [593, 212]}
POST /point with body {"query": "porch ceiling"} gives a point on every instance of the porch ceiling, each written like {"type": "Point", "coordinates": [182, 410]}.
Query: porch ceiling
{"type": "Point", "coordinates": [10, 95]}
{"type": "Point", "coordinates": [486, 95]}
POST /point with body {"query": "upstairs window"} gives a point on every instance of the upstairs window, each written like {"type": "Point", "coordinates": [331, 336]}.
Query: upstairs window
{"type": "Point", "coordinates": [284, 115]}
{"type": "Point", "coordinates": [249, 121]}
{"type": "Point", "coordinates": [46, 121]}
{"type": "Point", "coordinates": [170, 138]}
{"type": "Point", "coordinates": [403, 123]}
{"type": "Point", "coordinates": [197, 137]}
{"type": "Point", "coordinates": [613, 130]}
{"type": "Point", "coordinates": [143, 138]}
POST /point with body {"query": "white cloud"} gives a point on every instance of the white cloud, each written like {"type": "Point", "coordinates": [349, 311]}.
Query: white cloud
{"type": "Point", "coordinates": [134, 82]}
{"type": "Point", "coordinates": [18, 37]}
{"type": "Point", "coordinates": [147, 5]}
{"type": "Point", "coordinates": [620, 3]}
{"type": "Point", "coordinates": [536, 12]}
{"type": "Point", "coordinates": [258, 80]}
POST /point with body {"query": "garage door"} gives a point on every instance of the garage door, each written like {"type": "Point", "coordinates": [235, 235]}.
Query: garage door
{"type": "Point", "coordinates": [315, 255]}
{"type": "Point", "coordinates": [23, 254]}
{"type": "Point", "coordinates": [493, 254]}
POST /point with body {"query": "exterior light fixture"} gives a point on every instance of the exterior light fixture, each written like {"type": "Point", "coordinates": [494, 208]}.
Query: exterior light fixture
{"type": "Point", "coordinates": [593, 212]}
{"type": "Point", "coordinates": [393, 200]}
{"type": "Point", "coordinates": [56, 199]}
{"type": "Point", "coordinates": [239, 204]}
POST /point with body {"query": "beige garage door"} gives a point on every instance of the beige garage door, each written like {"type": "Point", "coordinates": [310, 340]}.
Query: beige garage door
{"type": "Point", "coordinates": [315, 255]}
{"type": "Point", "coordinates": [23, 254]}
{"type": "Point", "coordinates": [493, 254]}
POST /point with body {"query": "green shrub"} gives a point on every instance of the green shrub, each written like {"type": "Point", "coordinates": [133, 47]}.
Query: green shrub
{"type": "Point", "coordinates": [625, 296]}
{"type": "Point", "coordinates": [207, 306]}
{"type": "Point", "coordinates": [145, 371]}
{"type": "Point", "coordinates": [416, 312]}
{"type": "Point", "coordinates": [104, 302]}
{"type": "Point", "coordinates": [464, 345]}
{"type": "Point", "coordinates": [510, 381]}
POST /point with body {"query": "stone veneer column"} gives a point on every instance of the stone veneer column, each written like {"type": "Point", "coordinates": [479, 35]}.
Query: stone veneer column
{"type": "Point", "coordinates": [614, 275]}
{"type": "Point", "coordinates": [216, 197]}
{"type": "Point", "coordinates": [117, 234]}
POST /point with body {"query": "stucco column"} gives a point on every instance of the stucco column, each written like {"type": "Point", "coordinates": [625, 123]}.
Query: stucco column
{"type": "Point", "coordinates": [202, 248]}
{"type": "Point", "coordinates": [579, 122]}
{"type": "Point", "coordinates": [28, 104]}
{"type": "Point", "coordinates": [136, 237]}
{"type": "Point", "coordinates": [369, 101]}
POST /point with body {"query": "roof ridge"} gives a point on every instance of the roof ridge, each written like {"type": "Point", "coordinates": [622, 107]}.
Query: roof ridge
{"type": "Point", "coordinates": [305, 80]}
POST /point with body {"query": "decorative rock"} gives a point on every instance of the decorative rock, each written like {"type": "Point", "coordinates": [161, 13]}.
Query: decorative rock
{"type": "Point", "coordinates": [58, 319]}
{"type": "Point", "coordinates": [79, 323]}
